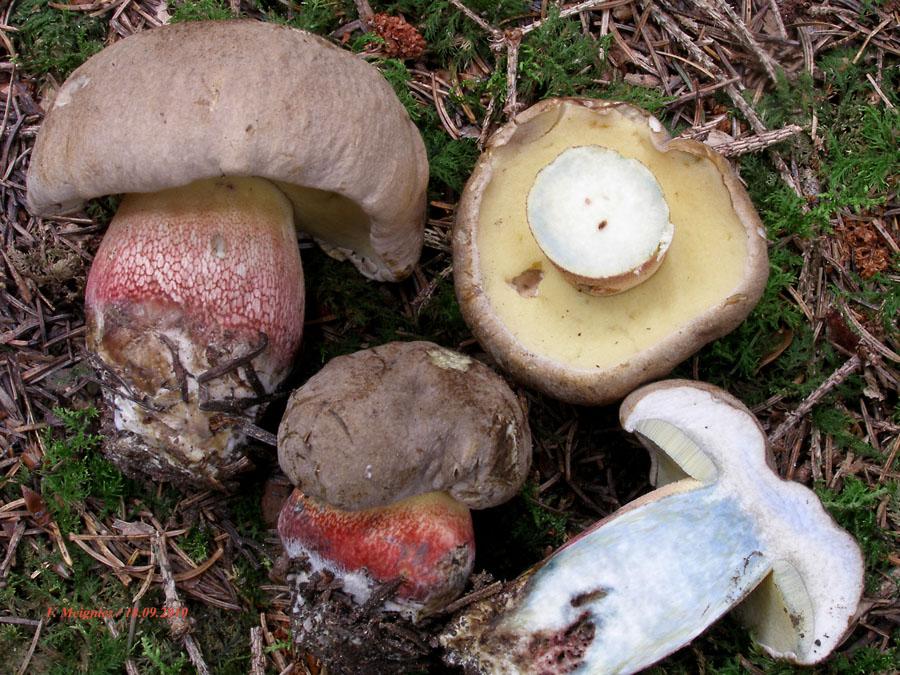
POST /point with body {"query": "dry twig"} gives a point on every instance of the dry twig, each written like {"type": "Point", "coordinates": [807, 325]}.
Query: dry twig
{"type": "Point", "coordinates": [34, 641]}
{"type": "Point", "coordinates": [176, 612]}
{"type": "Point", "coordinates": [850, 366]}
{"type": "Point", "coordinates": [759, 142]}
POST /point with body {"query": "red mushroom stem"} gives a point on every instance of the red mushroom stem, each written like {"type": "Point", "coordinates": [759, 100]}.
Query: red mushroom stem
{"type": "Point", "coordinates": [186, 282]}
{"type": "Point", "coordinates": [427, 540]}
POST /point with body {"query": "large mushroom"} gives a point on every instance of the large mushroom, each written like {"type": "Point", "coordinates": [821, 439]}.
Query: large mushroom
{"type": "Point", "coordinates": [593, 253]}
{"type": "Point", "coordinates": [390, 448]}
{"type": "Point", "coordinates": [223, 136]}
{"type": "Point", "coordinates": [721, 530]}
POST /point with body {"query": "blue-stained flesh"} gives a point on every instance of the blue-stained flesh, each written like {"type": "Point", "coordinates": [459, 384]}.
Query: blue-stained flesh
{"type": "Point", "coordinates": [642, 578]}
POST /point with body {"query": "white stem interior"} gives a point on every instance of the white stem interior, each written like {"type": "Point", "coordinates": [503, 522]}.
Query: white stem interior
{"type": "Point", "coordinates": [597, 214]}
{"type": "Point", "coordinates": [658, 574]}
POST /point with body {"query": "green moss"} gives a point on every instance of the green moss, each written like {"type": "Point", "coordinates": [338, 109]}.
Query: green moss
{"type": "Point", "coordinates": [558, 59]}
{"type": "Point", "coordinates": [94, 648]}
{"type": "Point", "coordinates": [224, 637]}
{"type": "Point", "coordinates": [399, 77]}
{"type": "Point", "coordinates": [197, 543]}
{"type": "Point", "coordinates": [71, 640]}
{"type": "Point", "coordinates": [542, 528]}
{"type": "Point", "coordinates": [856, 169]}
{"type": "Point", "coordinates": [74, 470]}
{"type": "Point", "coordinates": [517, 534]}
{"type": "Point", "coordinates": [316, 16]}
{"type": "Point", "coordinates": [369, 313]}
{"type": "Point", "coordinates": [855, 165]}
{"type": "Point", "coordinates": [838, 424]}
{"type": "Point", "coordinates": [441, 319]}
{"type": "Point", "coordinates": [888, 302]}
{"type": "Point", "coordinates": [450, 160]}
{"type": "Point", "coordinates": [200, 10]}
{"type": "Point", "coordinates": [161, 657]}
{"type": "Point", "coordinates": [727, 648]}
{"type": "Point", "coordinates": [54, 41]}
{"type": "Point", "coordinates": [861, 145]}
{"type": "Point", "coordinates": [740, 354]}
{"type": "Point", "coordinates": [451, 37]}
{"type": "Point", "coordinates": [366, 312]}
{"type": "Point", "coordinates": [855, 508]}
{"type": "Point", "coordinates": [653, 101]}
{"type": "Point", "coordinates": [246, 511]}
{"type": "Point", "coordinates": [867, 660]}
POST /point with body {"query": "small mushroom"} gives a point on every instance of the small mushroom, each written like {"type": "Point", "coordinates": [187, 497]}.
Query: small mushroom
{"type": "Point", "coordinates": [195, 300]}
{"type": "Point", "coordinates": [721, 530]}
{"type": "Point", "coordinates": [403, 438]}
{"type": "Point", "coordinates": [593, 253]}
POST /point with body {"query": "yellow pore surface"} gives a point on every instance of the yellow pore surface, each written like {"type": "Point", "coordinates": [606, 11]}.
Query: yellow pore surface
{"type": "Point", "coordinates": [703, 267]}
{"type": "Point", "coordinates": [331, 217]}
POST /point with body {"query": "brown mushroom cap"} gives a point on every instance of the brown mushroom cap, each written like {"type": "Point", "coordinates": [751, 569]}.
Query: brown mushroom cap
{"type": "Point", "coordinates": [594, 350]}
{"type": "Point", "coordinates": [402, 419]}
{"type": "Point", "coordinates": [184, 102]}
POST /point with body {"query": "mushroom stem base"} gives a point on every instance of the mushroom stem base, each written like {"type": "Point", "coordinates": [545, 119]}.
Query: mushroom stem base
{"type": "Point", "coordinates": [178, 430]}
{"type": "Point", "coordinates": [134, 457]}
{"type": "Point", "coordinates": [352, 638]}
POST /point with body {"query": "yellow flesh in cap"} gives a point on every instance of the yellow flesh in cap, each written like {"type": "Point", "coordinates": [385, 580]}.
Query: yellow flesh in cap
{"type": "Point", "coordinates": [705, 261]}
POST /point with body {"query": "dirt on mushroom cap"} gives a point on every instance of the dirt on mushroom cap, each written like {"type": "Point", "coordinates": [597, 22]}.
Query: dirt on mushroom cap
{"type": "Point", "coordinates": [403, 419]}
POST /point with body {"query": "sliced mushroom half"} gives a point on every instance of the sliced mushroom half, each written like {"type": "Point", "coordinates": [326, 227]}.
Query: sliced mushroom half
{"type": "Point", "coordinates": [721, 530]}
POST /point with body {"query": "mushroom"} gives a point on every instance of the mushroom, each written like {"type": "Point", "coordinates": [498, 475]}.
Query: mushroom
{"type": "Point", "coordinates": [194, 308]}
{"type": "Point", "coordinates": [584, 195]}
{"type": "Point", "coordinates": [195, 299]}
{"type": "Point", "coordinates": [721, 530]}
{"type": "Point", "coordinates": [405, 438]}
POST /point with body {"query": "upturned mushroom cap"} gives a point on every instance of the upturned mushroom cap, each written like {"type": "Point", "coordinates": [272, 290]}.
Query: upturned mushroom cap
{"type": "Point", "coordinates": [403, 419]}
{"type": "Point", "coordinates": [184, 102]}
{"type": "Point", "coordinates": [594, 350]}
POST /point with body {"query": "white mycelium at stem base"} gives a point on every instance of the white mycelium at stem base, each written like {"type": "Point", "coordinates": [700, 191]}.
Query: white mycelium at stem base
{"type": "Point", "coordinates": [600, 218]}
